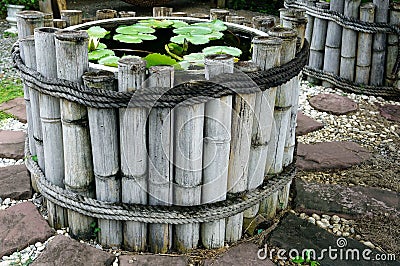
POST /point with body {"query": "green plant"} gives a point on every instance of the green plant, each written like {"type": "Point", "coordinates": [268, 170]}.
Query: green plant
{"type": "Point", "coordinates": [95, 230]}
{"type": "Point", "coordinates": [19, 262]}
{"type": "Point", "coordinates": [305, 261]}
{"type": "Point", "coordinates": [29, 4]}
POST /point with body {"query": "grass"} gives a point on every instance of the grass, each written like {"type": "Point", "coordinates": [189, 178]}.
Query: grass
{"type": "Point", "coordinates": [9, 89]}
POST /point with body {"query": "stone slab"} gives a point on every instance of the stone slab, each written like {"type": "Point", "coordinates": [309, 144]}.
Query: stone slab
{"type": "Point", "coordinates": [20, 226]}
{"type": "Point", "coordinates": [15, 107]}
{"type": "Point", "coordinates": [15, 183]}
{"type": "Point", "coordinates": [63, 250]}
{"type": "Point", "coordinates": [12, 144]}
{"type": "Point", "coordinates": [330, 155]}
{"type": "Point", "coordinates": [306, 124]}
{"type": "Point", "coordinates": [242, 254]}
{"type": "Point", "coordinates": [354, 201]}
{"type": "Point", "coordinates": [150, 260]}
{"type": "Point", "coordinates": [390, 112]}
{"type": "Point", "coordinates": [295, 233]}
{"type": "Point", "coordinates": [333, 103]}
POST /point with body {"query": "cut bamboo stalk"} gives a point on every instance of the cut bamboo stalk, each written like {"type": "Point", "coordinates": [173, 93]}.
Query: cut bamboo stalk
{"type": "Point", "coordinates": [45, 6]}
{"type": "Point", "coordinates": [349, 41]}
{"type": "Point", "coordinates": [50, 116]}
{"type": "Point", "coordinates": [317, 46]}
{"type": "Point", "coordinates": [294, 18]}
{"type": "Point", "coordinates": [48, 20]}
{"type": "Point", "coordinates": [218, 14]}
{"type": "Point", "coordinates": [363, 66]}
{"type": "Point", "coordinates": [263, 23]}
{"type": "Point", "coordinates": [160, 124]}
{"type": "Point", "coordinates": [333, 43]}
{"type": "Point", "coordinates": [131, 75]}
{"type": "Point", "coordinates": [217, 137]}
{"type": "Point", "coordinates": [127, 14]}
{"type": "Point", "coordinates": [379, 44]}
{"type": "Point", "coordinates": [266, 55]}
{"type": "Point", "coordinates": [235, 19]}
{"type": "Point", "coordinates": [72, 17]}
{"type": "Point", "coordinates": [72, 62]}
{"type": "Point", "coordinates": [179, 14]}
{"type": "Point", "coordinates": [106, 14]}
{"type": "Point", "coordinates": [283, 103]}
{"type": "Point", "coordinates": [104, 139]}
{"type": "Point", "coordinates": [188, 162]}
{"type": "Point", "coordinates": [283, 197]}
{"type": "Point", "coordinates": [310, 21]}
{"type": "Point", "coordinates": [200, 15]}
{"type": "Point", "coordinates": [27, 21]}
{"type": "Point", "coordinates": [59, 23]}
{"type": "Point", "coordinates": [161, 11]}
{"type": "Point", "coordinates": [61, 4]}
{"type": "Point", "coordinates": [393, 42]}
{"type": "Point", "coordinates": [269, 206]}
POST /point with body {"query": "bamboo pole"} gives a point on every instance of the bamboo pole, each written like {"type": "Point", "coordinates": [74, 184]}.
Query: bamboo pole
{"type": "Point", "coordinates": [160, 124]}
{"type": "Point", "coordinates": [268, 207]}
{"type": "Point", "coordinates": [72, 62]}
{"type": "Point", "coordinates": [333, 43]}
{"type": "Point", "coordinates": [50, 116]}
{"type": "Point", "coordinates": [48, 20]}
{"type": "Point", "coordinates": [126, 14]}
{"type": "Point", "coordinates": [131, 75]}
{"type": "Point", "coordinates": [72, 17]}
{"type": "Point", "coordinates": [363, 66]}
{"type": "Point", "coordinates": [217, 136]}
{"type": "Point", "coordinates": [188, 143]}
{"type": "Point", "coordinates": [200, 15]}
{"type": "Point", "coordinates": [236, 19]}
{"type": "Point", "coordinates": [179, 14]}
{"type": "Point", "coordinates": [104, 140]}
{"type": "Point", "coordinates": [59, 23]}
{"type": "Point", "coordinates": [317, 46]}
{"type": "Point", "coordinates": [283, 197]}
{"type": "Point", "coordinates": [27, 21]}
{"type": "Point", "coordinates": [283, 103]}
{"type": "Point", "coordinates": [266, 55]}
{"type": "Point", "coordinates": [263, 23]}
{"type": "Point", "coordinates": [310, 21]}
{"type": "Point", "coordinates": [106, 14]}
{"type": "Point", "coordinates": [392, 45]}
{"type": "Point", "coordinates": [379, 44]}
{"type": "Point", "coordinates": [160, 11]}
{"type": "Point", "coordinates": [294, 18]}
{"type": "Point", "coordinates": [45, 6]}
{"type": "Point", "coordinates": [349, 41]}
{"type": "Point", "coordinates": [220, 14]}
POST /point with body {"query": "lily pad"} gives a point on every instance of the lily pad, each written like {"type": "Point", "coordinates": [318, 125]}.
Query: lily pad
{"type": "Point", "coordinates": [101, 46]}
{"type": "Point", "coordinates": [179, 24]}
{"type": "Point", "coordinates": [222, 50]}
{"type": "Point", "coordinates": [157, 59]}
{"type": "Point", "coordinates": [111, 60]}
{"type": "Point", "coordinates": [215, 35]}
{"type": "Point", "coordinates": [215, 25]}
{"type": "Point", "coordinates": [154, 23]}
{"type": "Point", "coordinates": [98, 54]}
{"type": "Point", "coordinates": [195, 39]}
{"type": "Point", "coordinates": [192, 30]}
{"type": "Point", "coordinates": [135, 29]}
{"type": "Point", "coordinates": [127, 38]}
{"type": "Point", "coordinates": [97, 32]}
{"type": "Point", "coordinates": [194, 57]}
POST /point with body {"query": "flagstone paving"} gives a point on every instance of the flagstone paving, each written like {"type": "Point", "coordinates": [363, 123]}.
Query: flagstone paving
{"type": "Point", "coordinates": [333, 103]}
{"type": "Point", "coordinates": [306, 124]}
{"type": "Point", "coordinates": [15, 183]}
{"type": "Point", "coordinates": [15, 107]}
{"type": "Point", "coordinates": [12, 144]}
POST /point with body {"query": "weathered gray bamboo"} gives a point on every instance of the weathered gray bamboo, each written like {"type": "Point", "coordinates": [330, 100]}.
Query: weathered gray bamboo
{"type": "Point", "coordinates": [263, 23]}
{"type": "Point", "coordinates": [72, 62]}
{"type": "Point", "coordinates": [283, 103]}
{"type": "Point", "coordinates": [317, 46]}
{"type": "Point", "coordinates": [349, 42]}
{"type": "Point", "coordinates": [219, 14]}
{"type": "Point", "coordinates": [200, 15]}
{"type": "Point", "coordinates": [179, 14]}
{"type": "Point", "coordinates": [268, 207]}
{"type": "Point", "coordinates": [310, 21]}
{"type": "Point", "coordinates": [106, 14]}
{"type": "Point", "coordinates": [266, 55]}
{"type": "Point", "coordinates": [126, 14]}
{"type": "Point", "coordinates": [333, 43]}
{"type": "Point", "coordinates": [134, 161]}
{"type": "Point", "coordinates": [50, 116]}
{"type": "Point", "coordinates": [379, 44]}
{"type": "Point", "coordinates": [45, 6]}
{"type": "Point", "coordinates": [235, 19]}
{"type": "Point", "coordinates": [283, 197]}
{"type": "Point", "coordinates": [241, 135]}
{"type": "Point", "coordinates": [363, 66]}
{"type": "Point", "coordinates": [48, 20]}
{"type": "Point", "coordinates": [59, 23]}
{"type": "Point", "coordinates": [160, 11]}
{"type": "Point", "coordinates": [217, 136]}
{"type": "Point", "coordinates": [27, 21]}
{"type": "Point", "coordinates": [294, 18]}
{"type": "Point", "coordinates": [104, 139]}
{"type": "Point", "coordinates": [392, 44]}
{"type": "Point", "coordinates": [188, 162]}
{"type": "Point", "coordinates": [160, 124]}
{"type": "Point", "coordinates": [72, 17]}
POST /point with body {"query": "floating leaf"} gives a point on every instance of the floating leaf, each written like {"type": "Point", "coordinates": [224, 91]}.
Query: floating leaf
{"type": "Point", "coordinates": [146, 37]}
{"type": "Point", "coordinates": [134, 29]}
{"type": "Point", "coordinates": [111, 60]}
{"type": "Point", "coordinates": [156, 23]}
{"type": "Point", "coordinates": [184, 64]}
{"type": "Point", "coordinates": [194, 57]}
{"type": "Point", "coordinates": [193, 30]}
{"type": "Point", "coordinates": [298, 259]}
{"type": "Point", "coordinates": [97, 32]}
{"type": "Point", "coordinates": [97, 54]}
{"type": "Point", "coordinates": [179, 24]}
{"type": "Point", "coordinates": [195, 39]}
{"type": "Point", "coordinates": [215, 25]}
{"type": "Point", "coordinates": [127, 38]}
{"type": "Point", "coordinates": [222, 50]}
{"type": "Point", "coordinates": [175, 48]}
{"type": "Point", "coordinates": [215, 35]}
{"type": "Point", "coordinates": [101, 46]}
{"type": "Point", "coordinates": [157, 59]}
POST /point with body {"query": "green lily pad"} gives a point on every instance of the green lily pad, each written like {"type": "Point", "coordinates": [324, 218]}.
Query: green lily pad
{"type": "Point", "coordinates": [194, 57]}
{"type": "Point", "coordinates": [97, 32]}
{"type": "Point", "coordinates": [111, 60]}
{"type": "Point", "coordinates": [215, 35]}
{"type": "Point", "coordinates": [156, 23]}
{"type": "Point", "coordinates": [179, 24]}
{"type": "Point", "coordinates": [98, 54]}
{"type": "Point", "coordinates": [222, 50]}
{"type": "Point", "coordinates": [195, 39]}
{"type": "Point", "coordinates": [101, 46]}
{"type": "Point", "coordinates": [157, 59]}
{"type": "Point", "coordinates": [146, 37]}
{"type": "Point", "coordinates": [215, 25]}
{"type": "Point", "coordinates": [134, 29]}
{"type": "Point", "coordinates": [127, 38]}
{"type": "Point", "coordinates": [192, 30]}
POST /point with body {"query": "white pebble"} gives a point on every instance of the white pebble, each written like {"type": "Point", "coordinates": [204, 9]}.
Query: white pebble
{"type": "Point", "coordinates": [7, 201]}
{"type": "Point", "coordinates": [369, 244]}
{"type": "Point", "coordinates": [316, 216]}
{"type": "Point", "coordinates": [311, 220]}
{"type": "Point", "coordinates": [38, 244]}
{"type": "Point", "coordinates": [322, 225]}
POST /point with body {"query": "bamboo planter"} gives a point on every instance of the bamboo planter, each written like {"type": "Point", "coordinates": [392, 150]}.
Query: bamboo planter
{"type": "Point", "coordinates": [181, 156]}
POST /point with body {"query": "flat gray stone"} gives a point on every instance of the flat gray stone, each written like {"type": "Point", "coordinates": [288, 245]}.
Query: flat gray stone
{"type": "Point", "coordinates": [242, 254]}
{"type": "Point", "coordinates": [20, 226]}
{"type": "Point", "coordinates": [330, 155]}
{"type": "Point", "coordinates": [12, 144]}
{"type": "Point", "coordinates": [333, 103]}
{"type": "Point", "coordinates": [390, 112]}
{"type": "Point", "coordinates": [63, 250]}
{"type": "Point", "coordinates": [15, 183]}
{"type": "Point", "coordinates": [353, 201]}
{"type": "Point", "coordinates": [15, 107]}
{"type": "Point", "coordinates": [306, 124]}
{"type": "Point", "coordinates": [150, 260]}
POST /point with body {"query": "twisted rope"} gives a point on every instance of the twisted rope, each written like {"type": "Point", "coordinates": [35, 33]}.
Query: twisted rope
{"type": "Point", "coordinates": [188, 93]}
{"type": "Point", "coordinates": [236, 203]}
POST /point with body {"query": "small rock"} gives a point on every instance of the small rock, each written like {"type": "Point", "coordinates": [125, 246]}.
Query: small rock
{"type": "Point", "coordinates": [38, 244]}
{"type": "Point", "coordinates": [303, 215]}
{"type": "Point", "coordinates": [7, 201]}
{"type": "Point", "coordinates": [338, 233]}
{"type": "Point", "coordinates": [345, 234]}
{"type": "Point", "coordinates": [311, 220]}
{"type": "Point", "coordinates": [344, 221]}
{"type": "Point", "coordinates": [336, 226]}
{"type": "Point", "coordinates": [369, 244]}
{"type": "Point", "coordinates": [41, 248]}
{"type": "Point", "coordinates": [335, 219]}
{"type": "Point", "coordinates": [352, 230]}
{"type": "Point", "coordinates": [99, 247]}
{"type": "Point", "coordinates": [335, 230]}
{"type": "Point", "coordinates": [358, 237]}
{"type": "Point", "coordinates": [327, 217]}
{"type": "Point", "coordinates": [322, 225]}
{"type": "Point", "coordinates": [316, 217]}
{"type": "Point", "coordinates": [325, 221]}
{"type": "Point", "coordinates": [60, 232]}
